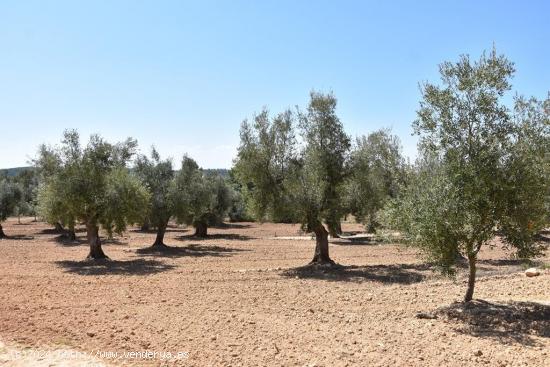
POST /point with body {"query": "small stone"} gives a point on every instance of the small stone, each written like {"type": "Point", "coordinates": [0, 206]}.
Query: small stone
{"type": "Point", "coordinates": [532, 272]}
{"type": "Point", "coordinates": [478, 353]}
{"type": "Point", "coordinates": [90, 334]}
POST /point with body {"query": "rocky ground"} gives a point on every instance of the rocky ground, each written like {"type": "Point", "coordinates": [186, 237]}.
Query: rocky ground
{"type": "Point", "coordinates": [242, 298]}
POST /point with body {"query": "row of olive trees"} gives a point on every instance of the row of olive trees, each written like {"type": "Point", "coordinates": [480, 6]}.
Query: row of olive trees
{"type": "Point", "coordinates": [483, 169]}
{"type": "Point", "coordinates": [93, 185]}
{"type": "Point", "coordinates": [189, 195]}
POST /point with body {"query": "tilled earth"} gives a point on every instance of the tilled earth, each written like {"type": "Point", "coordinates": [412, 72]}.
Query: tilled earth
{"type": "Point", "coordinates": [242, 298]}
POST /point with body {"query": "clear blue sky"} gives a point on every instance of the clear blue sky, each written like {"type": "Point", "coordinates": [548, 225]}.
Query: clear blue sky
{"type": "Point", "coordinates": [183, 75]}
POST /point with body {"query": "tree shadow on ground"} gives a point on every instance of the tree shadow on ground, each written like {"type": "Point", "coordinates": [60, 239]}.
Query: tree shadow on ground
{"type": "Point", "coordinates": [506, 266]}
{"type": "Point", "coordinates": [355, 241]}
{"type": "Point", "coordinates": [192, 250]}
{"type": "Point", "coordinates": [505, 262]}
{"type": "Point", "coordinates": [55, 231]}
{"type": "Point", "coordinates": [216, 236]}
{"type": "Point", "coordinates": [171, 229]}
{"type": "Point", "coordinates": [113, 241]}
{"type": "Point", "coordinates": [511, 322]}
{"type": "Point", "coordinates": [82, 241]}
{"type": "Point", "coordinates": [18, 237]}
{"type": "Point", "coordinates": [48, 231]}
{"type": "Point", "coordinates": [387, 274]}
{"type": "Point", "coordinates": [114, 267]}
{"type": "Point", "coordinates": [232, 226]}
{"type": "Point", "coordinates": [65, 241]}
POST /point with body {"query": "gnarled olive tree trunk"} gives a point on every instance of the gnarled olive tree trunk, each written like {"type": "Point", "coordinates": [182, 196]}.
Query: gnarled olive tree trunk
{"type": "Point", "coordinates": [71, 235]}
{"type": "Point", "coordinates": [92, 233]}
{"type": "Point", "coordinates": [159, 240]}
{"type": "Point", "coordinates": [59, 228]}
{"type": "Point", "coordinates": [321, 255]}
{"type": "Point", "coordinates": [2, 234]}
{"type": "Point", "coordinates": [201, 229]}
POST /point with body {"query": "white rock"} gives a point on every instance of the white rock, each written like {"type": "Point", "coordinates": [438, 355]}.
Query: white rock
{"type": "Point", "coordinates": [532, 272]}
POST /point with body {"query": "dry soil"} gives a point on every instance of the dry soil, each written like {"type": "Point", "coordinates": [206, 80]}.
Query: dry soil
{"type": "Point", "coordinates": [242, 298]}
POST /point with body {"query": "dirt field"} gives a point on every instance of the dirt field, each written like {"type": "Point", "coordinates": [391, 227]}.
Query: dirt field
{"type": "Point", "coordinates": [239, 298]}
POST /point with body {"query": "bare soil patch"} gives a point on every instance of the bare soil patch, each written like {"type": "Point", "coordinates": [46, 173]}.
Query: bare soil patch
{"type": "Point", "coordinates": [241, 297]}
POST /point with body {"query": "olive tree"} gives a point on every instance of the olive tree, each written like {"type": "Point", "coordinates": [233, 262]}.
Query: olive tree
{"type": "Point", "coordinates": [526, 182]}
{"type": "Point", "coordinates": [325, 157]}
{"type": "Point", "coordinates": [309, 174]}
{"type": "Point", "coordinates": [263, 168]}
{"type": "Point", "coordinates": [200, 200]}
{"type": "Point", "coordinates": [10, 196]}
{"type": "Point", "coordinates": [157, 176]}
{"type": "Point", "coordinates": [377, 171]}
{"type": "Point", "coordinates": [467, 187]}
{"type": "Point", "coordinates": [52, 205]}
{"type": "Point", "coordinates": [96, 187]}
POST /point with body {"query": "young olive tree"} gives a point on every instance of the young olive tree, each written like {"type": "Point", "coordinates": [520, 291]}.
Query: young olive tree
{"type": "Point", "coordinates": [377, 171]}
{"type": "Point", "coordinates": [467, 191]}
{"type": "Point", "coordinates": [96, 187]}
{"type": "Point", "coordinates": [157, 176]}
{"type": "Point", "coordinates": [10, 196]}
{"type": "Point", "coordinates": [200, 200]}
{"type": "Point", "coordinates": [308, 177]}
